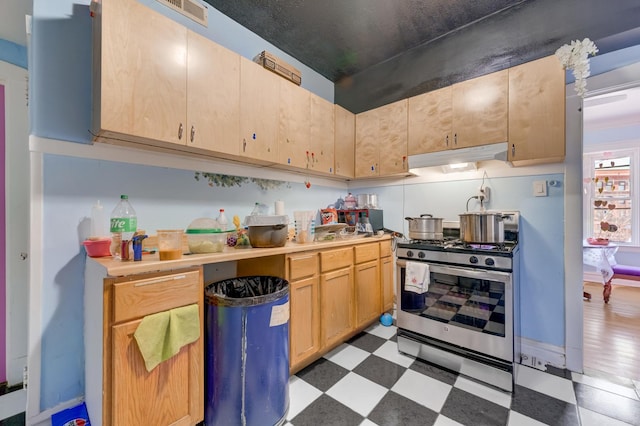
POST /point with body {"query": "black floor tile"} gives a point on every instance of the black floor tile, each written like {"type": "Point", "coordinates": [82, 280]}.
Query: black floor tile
{"type": "Point", "coordinates": [380, 371]}
{"type": "Point", "coordinates": [560, 372]}
{"type": "Point", "coordinates": [433, 371]}
{"type": "Point", "coordinates": [543, 408]}
{"type": "Point", "coordinates": [396, 410]}
{"type": "Point", "coordinates": [322, 374]}
{"type": "Point", "coordinates": [367, 342]}
{"type": "Point", "coordinates": [327, 411]}
{"type": "Point", "coordinates": [607, 403]}
{"type": "Point", "coordinates": [469, 409]}
{"type": "Point", "coordinates": [17, 420]}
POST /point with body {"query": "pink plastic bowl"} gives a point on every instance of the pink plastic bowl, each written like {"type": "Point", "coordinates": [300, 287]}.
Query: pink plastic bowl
{"type": "Point", "coordinates": [98, 248]}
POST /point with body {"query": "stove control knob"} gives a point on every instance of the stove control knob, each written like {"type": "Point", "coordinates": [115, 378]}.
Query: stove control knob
{"type": "Point", "coordinates": [489, 261]}
{"type": "Point", "coordinates": [421, 255]}
{"type": "Point", "coordinates": [409, 253]}
{"type": "Point", "coordinates": [473, 260]}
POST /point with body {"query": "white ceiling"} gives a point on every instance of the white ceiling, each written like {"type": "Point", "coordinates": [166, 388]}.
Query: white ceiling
{"type": "Point", "coordinates": [615, 109]}
{"type": "Point", "coordinates": [12, 20]}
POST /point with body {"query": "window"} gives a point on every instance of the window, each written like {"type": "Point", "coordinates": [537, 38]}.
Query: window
{"type": "Point", "coordinates": [611, 197]}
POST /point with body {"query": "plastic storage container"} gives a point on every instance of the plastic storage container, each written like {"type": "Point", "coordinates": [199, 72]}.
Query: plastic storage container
{"type": "Point", "coordinates": [170, 244]}
{"type": "Point", "coordinates": [247, 351]}
{"type": "Point", "coordinates": [205, 236]}
{"type": "Point", "coordinates": [267, 231]}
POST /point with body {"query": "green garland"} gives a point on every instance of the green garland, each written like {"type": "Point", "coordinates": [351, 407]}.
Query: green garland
{"type": "Point", "coordinates": [226, 181]}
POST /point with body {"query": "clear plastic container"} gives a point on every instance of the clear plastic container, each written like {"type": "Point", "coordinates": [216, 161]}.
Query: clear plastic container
{"type": "Point", "coordinates": [205, 236]}
{"type": "Point", "coordinates": [170, 244]}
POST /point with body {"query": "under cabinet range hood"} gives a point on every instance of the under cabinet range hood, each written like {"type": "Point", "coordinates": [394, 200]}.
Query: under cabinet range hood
{"type": "Point", "coordinates": [496, 151]}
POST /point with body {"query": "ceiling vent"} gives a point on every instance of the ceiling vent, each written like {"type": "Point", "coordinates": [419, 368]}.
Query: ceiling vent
{"type": "Point", "coordinates": [189, 8]}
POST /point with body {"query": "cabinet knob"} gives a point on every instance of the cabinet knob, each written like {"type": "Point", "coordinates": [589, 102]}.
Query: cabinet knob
{"type": "Point", "coordinates": [513, 150]}
{"type": "Point", "coordinates": [455, 139]}
{"type": "Point", "coordinates": [193, 133]}
{"type": "Point", "coordinates": [180, 132]}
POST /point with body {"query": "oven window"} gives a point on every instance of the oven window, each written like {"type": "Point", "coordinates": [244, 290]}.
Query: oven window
{"type": "Point", "coordinates": [472, 303]}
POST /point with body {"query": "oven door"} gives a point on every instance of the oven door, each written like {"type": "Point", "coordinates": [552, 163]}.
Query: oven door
{"type": "Point", "coordinates": [465, 307]}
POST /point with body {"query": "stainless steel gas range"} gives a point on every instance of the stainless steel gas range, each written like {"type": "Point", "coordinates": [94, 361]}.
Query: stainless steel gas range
{"type": "Point", "coordinates": [462, 317]}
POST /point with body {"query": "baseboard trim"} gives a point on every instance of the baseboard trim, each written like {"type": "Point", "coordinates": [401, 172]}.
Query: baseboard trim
{"type": "Point", "coordinates": [538, 354]}
{"type": "Point", "coordinates": [44, 418]}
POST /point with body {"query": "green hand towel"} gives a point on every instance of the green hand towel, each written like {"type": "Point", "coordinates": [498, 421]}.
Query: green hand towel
{"type": "Point", "coordinates": [160, 336]}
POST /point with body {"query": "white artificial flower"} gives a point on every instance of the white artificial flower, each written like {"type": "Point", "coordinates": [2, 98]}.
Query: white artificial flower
{"type": "Point", "coordinates": [575, 56]}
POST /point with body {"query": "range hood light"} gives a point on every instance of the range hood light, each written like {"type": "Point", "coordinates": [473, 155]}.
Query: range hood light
{"type": "Point", "coordinates": [496, 151]}
{"type": "Point", "coordinates": [459, 167]}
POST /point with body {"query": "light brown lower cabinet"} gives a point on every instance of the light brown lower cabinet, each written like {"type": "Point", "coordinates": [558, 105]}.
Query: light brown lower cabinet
{"type": "Point", "coordinates": [173, 392]}
{"type": "Point", "coordinates": [386, 276]}
{"type": "Point", "coordinates": [334, 294]}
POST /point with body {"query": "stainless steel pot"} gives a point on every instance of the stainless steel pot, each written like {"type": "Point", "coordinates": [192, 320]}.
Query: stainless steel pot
{"type": "Point", "coordinates": [367, 201]}
{"type": "Point", "coordinates": [425, 227]}
{"type": "Point", "coordinates": [482, 227]}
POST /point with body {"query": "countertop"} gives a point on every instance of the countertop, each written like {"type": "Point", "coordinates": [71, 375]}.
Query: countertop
{"type": "Point", "coordinates": [152, 263]}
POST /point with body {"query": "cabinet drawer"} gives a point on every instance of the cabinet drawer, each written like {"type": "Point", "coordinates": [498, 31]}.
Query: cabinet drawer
{"type": "Point", "coordinates": [135, 299]}
{"type": "Point", "coordinates": [367, 252]}
{"type": "Point", "coordinates": [335, 259]}
{"type": "Point", "coordinates": [302, 266]}
{"type": "Point", "coordinates": [385, 248]}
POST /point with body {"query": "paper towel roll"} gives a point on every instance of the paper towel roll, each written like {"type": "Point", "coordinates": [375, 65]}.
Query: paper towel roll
{"type": "Point", "coordinates": [279, 208]}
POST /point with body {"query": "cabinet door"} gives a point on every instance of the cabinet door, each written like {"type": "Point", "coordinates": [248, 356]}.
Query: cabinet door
{"type": "Point", "coordinates": [166, 395]}
{"type": "Point", "coordinates": [304, 327]}
{"type": "Point", "coordinates": [367, 292]}
{"type": "Point", "coordinates": [367, 136]}
{"type": "Point", "coordinates": [293, 129]}
{"type": "Point", "coordinates": [537, 112]}
{"type": "Point", "coordinates": [386, 282]}
{"type": "Point", "coordinates": [345, 139]}
{"type": "Point", "coordinates": [321, 134]}
{"type": "Point", "coordinates": [480, 110]}
{"type": "Point", "coordinates": [143, 73]}
{"type": "Point", "coordinates": [259, 91]}
{"type": "Point", "coordinates": [336, 306]}
{"type": "Point", "coordinates": [213, 95]}
{"type": "Point", "coordinates": [393, 138]}
{"type": "Point", "coordinates": [429, 128]}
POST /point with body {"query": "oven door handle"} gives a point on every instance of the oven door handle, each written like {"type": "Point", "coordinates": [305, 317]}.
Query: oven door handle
{"type": "Point", "coordinates": [465, 272]}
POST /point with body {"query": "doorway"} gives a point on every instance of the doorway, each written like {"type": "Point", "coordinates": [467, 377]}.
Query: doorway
{"type": "Point", "coordinates": [611, 162]}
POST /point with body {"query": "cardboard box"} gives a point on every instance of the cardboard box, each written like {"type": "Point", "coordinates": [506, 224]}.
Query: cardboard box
{"type": "Point", "coordinates": [277, 65]}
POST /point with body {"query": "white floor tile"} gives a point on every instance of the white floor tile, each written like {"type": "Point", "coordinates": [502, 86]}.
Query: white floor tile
{"type": "Point", "coordinates": [381, 331]}
{"type": "Point", "coordinates": [347, 356]}
{"type": "Point", "coordinates": [591, 418]}
{"type": "Point", "coordinates": [446, 421]}
{"type": "Point", "coordinates": [605, 385]}
{"type": "Point", "coordinates": [389, 351]}
{"type": "Point", "coordinates": [301, 394]}
{"type": "Point", "coordinates": [13, 403]}
{"type": "Point", "coordinates": [483, 391]}
{"type": "Point", "coordinates": [367, 422]}
{"type": "Point", "coordinates": [546, 383]}
{"type": "Point", "coordinates": [357, 393]}
{"type": "Point", "coordinates": [422, 389]}
{"type": "Point", "coordinates": [517, 419]}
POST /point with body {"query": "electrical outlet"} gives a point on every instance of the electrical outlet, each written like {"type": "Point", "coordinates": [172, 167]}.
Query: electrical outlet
{"type": "Point", "coordinates": [483, 194]}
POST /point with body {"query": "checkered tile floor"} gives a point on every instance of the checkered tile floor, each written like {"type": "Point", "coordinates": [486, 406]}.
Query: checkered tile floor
{"type": "Point", "coordinates": [366, 381]}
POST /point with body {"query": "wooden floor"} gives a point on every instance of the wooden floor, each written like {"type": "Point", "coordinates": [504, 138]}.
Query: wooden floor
{"type": "Point", "coordinates": [612, 331]}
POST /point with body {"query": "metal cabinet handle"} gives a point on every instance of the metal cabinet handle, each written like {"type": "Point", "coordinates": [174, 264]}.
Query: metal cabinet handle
{"type": "Point", "coordinates": [193, 133]}
{"type": "Point", "coordinates": [180, 132]}
{"type": "Point", "coordinates": [513, 150]}
{"type": "Point", "coordinates": [244, 145]}
{"type": "Point", "coordinates": [447, 140]}
{"type": "Point", "coordinates": [455, 139]}
{"type": "Point", "coordinates": [160, 280]}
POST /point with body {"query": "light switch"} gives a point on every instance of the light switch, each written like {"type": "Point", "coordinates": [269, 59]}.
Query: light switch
{"type": "Point", "coordinates": [540, 188]}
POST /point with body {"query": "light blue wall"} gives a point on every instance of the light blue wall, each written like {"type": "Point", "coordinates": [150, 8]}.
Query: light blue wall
{"type": "Point", "coordinates": [541, 236]}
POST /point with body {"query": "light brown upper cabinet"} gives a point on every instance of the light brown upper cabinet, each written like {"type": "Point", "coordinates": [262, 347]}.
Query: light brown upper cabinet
{"type": "Point", "coordinates": [381, 140]}
{"type": "Point", "coordinates": [321, 135]}
{"type": "Point", "coordinates": [345, 139]}
{"type": "Point", "coordinates": [259, 99]}
{"type": "Point", "coordinates": [213, 96]}
{"type": "Point", "coordinates": [480, 110]}
{"type": "Point", "coordinates": [537, 112]}
{"type": "Point", "coordinates": [140, 82]}
{"type": "Point", "coordinates": [430, 122]}
{"type": "Point", "coordinates": [293, 125]}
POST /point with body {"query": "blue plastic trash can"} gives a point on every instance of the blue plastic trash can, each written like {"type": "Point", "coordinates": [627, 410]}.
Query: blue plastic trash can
{"type": "Point", "coordinates": [247, 351]}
